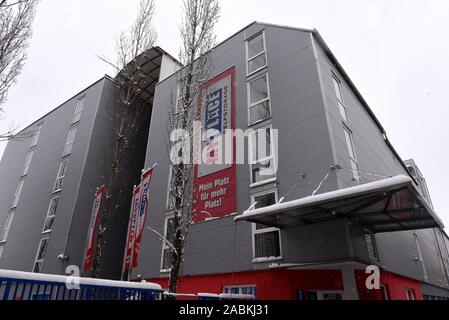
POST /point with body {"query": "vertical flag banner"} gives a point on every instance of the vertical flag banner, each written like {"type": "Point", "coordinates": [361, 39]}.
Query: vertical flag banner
{"type": "Point", "coordinates": [132, 229]}
{"type": "Point", "coordinates": [142, 213]}
{"type": "Point", "coordinates": [92, 229]}
{"type": "Point", "coordinates": [214, 184]}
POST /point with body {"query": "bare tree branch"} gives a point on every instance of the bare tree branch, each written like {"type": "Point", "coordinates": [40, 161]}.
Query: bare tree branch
{"type": "Point", "coordinates": [13, 134]}
{"type": "Point", "coordinates": [4, 3]}
{"type": "Point", "coordinates": [131, 49]}
{"type": "Point", "coordinates": [15, 32]}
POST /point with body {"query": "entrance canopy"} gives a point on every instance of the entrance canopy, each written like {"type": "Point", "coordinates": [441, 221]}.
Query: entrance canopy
{"type": "Point", "coordinates": [388, 205]}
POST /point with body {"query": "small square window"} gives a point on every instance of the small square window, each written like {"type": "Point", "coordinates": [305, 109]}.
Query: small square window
{"type": "Point", "coordinates": [267, 245]}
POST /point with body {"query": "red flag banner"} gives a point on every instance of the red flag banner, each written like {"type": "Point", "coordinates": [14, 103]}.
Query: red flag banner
{"type": "Point", "coordinates": [142, 213]}
{"type": "Point", "coordinates": [92, 229]}
{"type": "Point", "coordinates": [132, 229]}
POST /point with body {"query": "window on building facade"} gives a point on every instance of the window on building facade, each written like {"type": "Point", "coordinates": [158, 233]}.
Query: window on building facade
{"type": "Point", "coordinates": [256, 53]}
{"type": "Point", "coordinates": [384, 292]}
{"type": "Point", "coordinates": [7, 227]}
{"type": "Point", "coordinates": [70, 140]}
{"type": "Point", "coordinates": [178, 102]}
{"type": "Point", "coordinates": [338, 92]}
{"type": "Point", "coordinates": [410, 293]}
{"type": "Point", "coordinates": [61, 174]}
{"type": "Point", "coordinates": [249, 290]}
{"type": "Point", "coordinates": [352, 156]}
{"type": "Point", "coordinates": [51, 214]}
{"type": "Point", "coordinates": [79, 109]}
{"type": "Point", "coordinates": [170, 187]}
{"type": "Point", "coordinates": [262, 156]}
{"type": "Point", "coordinates": [371, 246]}
{"type": "Point", "coordinates": [169, 233]}
{"type": "Point", "coordinates": [266, 239]}
{"type": "Point", "coordinates": [36, 136]}
{"type": "Point", "coordinates": [433, 297]}
{"type": "Point", "coordinates": [18, 193]}
{"type": "Point", "coordinates": [259, 100]}
{"type": "Point", "coordinates": [29, 157]}
{"type": "Point", "coordinates": [41, 251]}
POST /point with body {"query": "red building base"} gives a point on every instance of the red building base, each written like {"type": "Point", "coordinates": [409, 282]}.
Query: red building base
{"type": "Point", "coordinates": [394, 287]}
{"type": "Point", "coordinates": [298, 285]}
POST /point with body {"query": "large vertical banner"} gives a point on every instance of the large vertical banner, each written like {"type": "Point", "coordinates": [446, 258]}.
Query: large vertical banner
{"type": "Point", "coordinates": [214, 183]}
{"type": "Point", "coordinates": [142, 213]}
{"type": "Point", "coordinates": [88, 257]}
{"type": "Point", "coordinates": [131, 230]}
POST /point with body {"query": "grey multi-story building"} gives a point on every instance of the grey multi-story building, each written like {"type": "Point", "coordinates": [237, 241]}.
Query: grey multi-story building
{"type": "Point", "coordinates": [264, 233]}
{"type": "Point", "coordinates": [52, 169]}
{"type": "Point", "coordinates": [328, 196]}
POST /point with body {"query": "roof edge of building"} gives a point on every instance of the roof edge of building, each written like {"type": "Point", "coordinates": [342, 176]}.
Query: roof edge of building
{"type": "Point", "coordinates": [105, 77]}
{"type": "Point", "coordinates": [359, 96]}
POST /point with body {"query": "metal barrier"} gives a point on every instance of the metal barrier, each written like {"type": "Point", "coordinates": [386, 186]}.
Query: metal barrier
{"type": "Point", "coordinates": [207, 296]}
{"type": "Point", "coordinates": [16, 285]}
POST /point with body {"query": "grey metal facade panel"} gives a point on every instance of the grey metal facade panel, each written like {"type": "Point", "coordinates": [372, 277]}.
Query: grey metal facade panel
{"type": "Point", "coordinates": [399, 251]}
{"type": "Point", "coordinates": [298, 112]}
{"type": "Point", "coordinates": [434, 290]}
{"type": "Point", "coordinates": [372, 152]}
{"type": "Point", "coordinates": [25, 233]}
{"type": "Point", "coordinates": [432, 259]}
{"type": "Point", "coordinates": [315, 243]}
{"type": "Point", "coordinates": [374, 156]}
{"type": "Point", "coordinates": [96, 172]}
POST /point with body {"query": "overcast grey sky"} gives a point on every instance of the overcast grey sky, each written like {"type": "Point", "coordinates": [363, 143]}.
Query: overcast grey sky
{"type": "Point", "coordinates": [396, 52]}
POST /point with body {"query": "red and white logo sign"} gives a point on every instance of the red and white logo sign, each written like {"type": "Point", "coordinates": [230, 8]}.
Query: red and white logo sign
{"type": "Point", "coordinates": [92, 229]}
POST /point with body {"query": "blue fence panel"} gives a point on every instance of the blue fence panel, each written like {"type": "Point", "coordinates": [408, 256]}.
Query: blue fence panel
{"type": "Point", "coordinates": [28, 286]}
